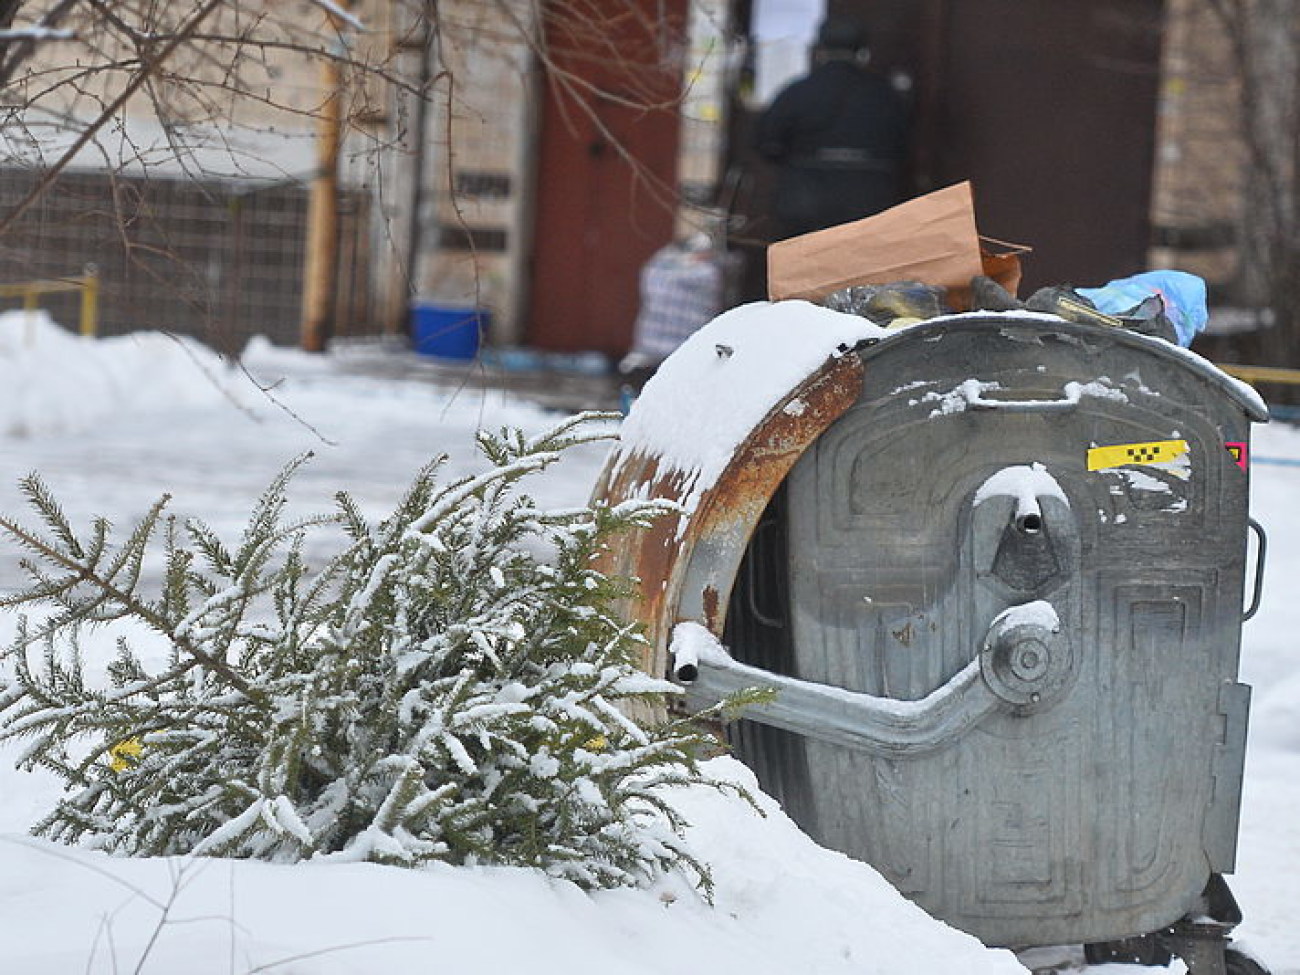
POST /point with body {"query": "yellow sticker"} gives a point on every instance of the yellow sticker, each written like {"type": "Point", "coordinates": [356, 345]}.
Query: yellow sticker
{"type": "Point", "coordinates": [1152, 452]}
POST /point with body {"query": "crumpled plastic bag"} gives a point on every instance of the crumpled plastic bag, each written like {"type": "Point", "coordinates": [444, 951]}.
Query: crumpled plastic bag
{"type": "Point", "coordinates": [910, 301]}
{"type": "Point", "coordinates": [1183, 295]}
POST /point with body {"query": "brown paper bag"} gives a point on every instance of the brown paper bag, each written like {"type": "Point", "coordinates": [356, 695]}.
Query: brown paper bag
{"type": "Point", "coordinates": [1003, 264]}
{"type": "Point", "coordinates": [931, 239]}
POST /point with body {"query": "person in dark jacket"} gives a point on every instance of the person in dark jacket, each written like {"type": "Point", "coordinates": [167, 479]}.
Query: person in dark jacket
{"type": "Point", "coordinates": [839, 136]}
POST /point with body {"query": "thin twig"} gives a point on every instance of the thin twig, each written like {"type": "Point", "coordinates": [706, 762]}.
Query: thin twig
{"type": "Point", "coordinates": [290, 959]}
{"type": "Point", "coordinates": [135, 84]}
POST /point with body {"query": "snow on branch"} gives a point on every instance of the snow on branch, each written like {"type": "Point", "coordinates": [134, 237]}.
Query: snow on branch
{"type": "Point", "coordinates": [343, 14]}
{"type": "Point", "coordinates": [37, 34]}
{"type": "Point", "coordinates": [454, 684]}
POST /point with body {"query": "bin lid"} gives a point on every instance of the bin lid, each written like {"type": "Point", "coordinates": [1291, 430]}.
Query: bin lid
{"type": "Point", "coordinates": [728, 415]}
{"type": "Point", "coordinates": [1242, 394]}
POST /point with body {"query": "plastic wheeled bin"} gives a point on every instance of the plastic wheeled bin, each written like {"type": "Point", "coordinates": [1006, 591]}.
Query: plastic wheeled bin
{"type": "Point", "coordinates": [1000, 597]}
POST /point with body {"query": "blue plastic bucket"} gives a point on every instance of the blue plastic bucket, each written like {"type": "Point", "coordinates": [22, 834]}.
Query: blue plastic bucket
{"type": "Point", "coordinates": [447, 331]}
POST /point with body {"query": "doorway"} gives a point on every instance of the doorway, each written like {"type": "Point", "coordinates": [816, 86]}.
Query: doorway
{"type": "Point", "coordinates": [607, 168]}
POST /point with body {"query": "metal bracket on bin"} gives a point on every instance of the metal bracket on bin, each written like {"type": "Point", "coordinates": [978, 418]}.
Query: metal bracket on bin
{"type": "Point", "coordinates": [1025, 665]}
{"type": "Point", "coordinates": [882, 726]}
{"type": "Point", "coordinates": [1201, 939]}
{"type": "Point", "coordinates": [1261, 550]}
{"type": "Point", "coordinates": [972, 391]}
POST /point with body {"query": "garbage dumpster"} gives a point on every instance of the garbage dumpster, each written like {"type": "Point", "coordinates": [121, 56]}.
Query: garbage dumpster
{"type": "Point", "coordinates": [999, 593]}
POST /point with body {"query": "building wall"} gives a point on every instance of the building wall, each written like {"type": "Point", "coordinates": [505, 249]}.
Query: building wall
{"type": "Point", "coordinates": [1197, 183]}
{"type": "Point", "coordinates": [712, 62]}
{"type": "Point", "coordinates": [477, 176]}
{"type": "Point", "coordinates": [458, 184]}
{"type": "Point", "coordinates": [223, 109]}
{"type": "Point", "coordinates": [439, 201]}
{"type": "Point", "coordinates": [191, 202]}
{"type": "Point", "coordinates": [483, 150]}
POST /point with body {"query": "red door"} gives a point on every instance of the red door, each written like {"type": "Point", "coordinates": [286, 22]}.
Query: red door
{"type": "Point", "coordinates": [607, 168]}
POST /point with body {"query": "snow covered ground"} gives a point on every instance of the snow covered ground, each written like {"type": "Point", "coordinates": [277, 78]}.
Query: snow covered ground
{"type": "Point", "coordinates": [112, 424]}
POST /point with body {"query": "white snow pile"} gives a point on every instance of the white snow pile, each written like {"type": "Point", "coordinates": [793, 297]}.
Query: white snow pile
{"type": "Point", "coordinates": [782, 904]}
{"type": "Point", "coordinates": [55, 381]}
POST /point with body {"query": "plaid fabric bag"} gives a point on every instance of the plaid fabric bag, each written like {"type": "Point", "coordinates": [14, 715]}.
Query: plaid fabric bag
{"type": "Point", "coordinates": [681, 290]}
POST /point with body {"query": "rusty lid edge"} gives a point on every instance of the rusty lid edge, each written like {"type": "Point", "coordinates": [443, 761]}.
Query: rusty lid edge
{"type": "Point", "coordinates": [686, 564]}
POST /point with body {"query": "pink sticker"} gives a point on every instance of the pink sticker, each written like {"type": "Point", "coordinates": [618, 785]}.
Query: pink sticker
{"type": "Point", "coordinates": [1240, 453]}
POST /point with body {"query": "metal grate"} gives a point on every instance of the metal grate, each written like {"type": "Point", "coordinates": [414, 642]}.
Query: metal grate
{"type": "Point", "coordinates": [218, 260]}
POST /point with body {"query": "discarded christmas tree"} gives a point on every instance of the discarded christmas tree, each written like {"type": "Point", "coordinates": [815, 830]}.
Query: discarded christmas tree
{"type": "Point", "coordinates": [451, 686]}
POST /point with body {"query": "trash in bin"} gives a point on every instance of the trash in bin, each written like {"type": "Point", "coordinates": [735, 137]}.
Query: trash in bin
{"type": "Point", "coordinates": [931, 239]}
{"type": "Point", "coordinates": [995, 566]}
{"type": "Point", "coordinates": [1182, 299]}
{"type": "Point", "coordinates": [1166, 304]}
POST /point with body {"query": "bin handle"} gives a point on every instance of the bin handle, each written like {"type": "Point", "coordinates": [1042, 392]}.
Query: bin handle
{"type": "Point", "coordinates": [973, 390]}
{"type": "Point", "coordinates": [879, 725]}
{"type": "Point", "coordinates": [1260, 551]}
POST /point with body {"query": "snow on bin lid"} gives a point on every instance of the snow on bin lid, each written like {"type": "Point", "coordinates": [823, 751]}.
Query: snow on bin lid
{"type": "Point", "coordinates": [718, 386]}
{"type": "Point", "coordinates": [1247, 396]}
{"type": "Point", "coordinates": [710, 394]}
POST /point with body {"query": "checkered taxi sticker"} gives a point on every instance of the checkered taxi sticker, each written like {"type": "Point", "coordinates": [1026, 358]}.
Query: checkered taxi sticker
{"type": "Point", "coordinates": [1151, 452]}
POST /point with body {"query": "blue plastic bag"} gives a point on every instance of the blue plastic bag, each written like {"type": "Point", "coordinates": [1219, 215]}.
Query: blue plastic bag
{"type": "Point", "coordinates": [1182, 293]}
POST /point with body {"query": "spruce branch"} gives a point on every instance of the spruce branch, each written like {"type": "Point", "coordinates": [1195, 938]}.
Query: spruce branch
{"type": "Point", "coordinates": [83, 572]}
{"type": "Point", "coordinates": [453, 684]}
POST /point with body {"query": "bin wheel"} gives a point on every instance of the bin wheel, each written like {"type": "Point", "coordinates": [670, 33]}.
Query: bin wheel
{"type": "Point", "coordinates": [1141, 950]}
{"type": "Point", "coordinates": [1237, 963]}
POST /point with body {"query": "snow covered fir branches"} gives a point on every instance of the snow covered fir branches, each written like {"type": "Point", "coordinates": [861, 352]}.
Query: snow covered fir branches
{"type": "Point", "coordinates": [452, 685]}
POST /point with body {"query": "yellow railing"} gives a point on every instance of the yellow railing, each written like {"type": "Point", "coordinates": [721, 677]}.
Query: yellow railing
{"type": "Point", "coordinates": [88, 284]}
{"type": "Point", "coordinates": [1262, 374]}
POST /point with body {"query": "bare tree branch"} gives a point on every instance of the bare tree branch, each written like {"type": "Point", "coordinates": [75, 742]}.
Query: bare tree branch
{"type": "Point", "coordinates": [14, 54]}
{"type": "Point", "coordinates": [110, 110]}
